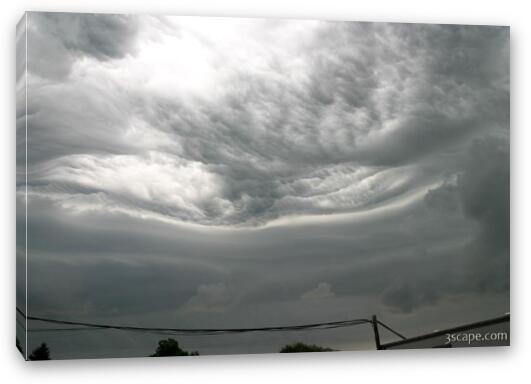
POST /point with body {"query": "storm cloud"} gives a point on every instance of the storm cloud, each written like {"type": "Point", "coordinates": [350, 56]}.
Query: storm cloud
{"type": "Point", "coordinates": [236, 172]}
{"type": "Point", "coordinates": [335, 120]}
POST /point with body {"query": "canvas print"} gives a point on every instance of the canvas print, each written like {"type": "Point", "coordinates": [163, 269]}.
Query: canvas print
{"type": "Point", "coordinates": [202, 186]}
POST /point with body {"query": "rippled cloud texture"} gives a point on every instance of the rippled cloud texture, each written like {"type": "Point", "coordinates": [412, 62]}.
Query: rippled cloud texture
{"type": "Point", "coordinates": [238, 171]}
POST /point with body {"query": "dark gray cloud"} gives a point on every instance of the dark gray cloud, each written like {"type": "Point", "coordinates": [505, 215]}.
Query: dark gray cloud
{"type": "Point", "coordinates": [142, 273]}
{"type": "Point", "coordinates": [242, 172]}
{"type": "Point", "coordinates": [481, 193]}
{"type": "Point", "coordinates": [57, 40]}
{"type": "Point", "coordinates": [484, 188]}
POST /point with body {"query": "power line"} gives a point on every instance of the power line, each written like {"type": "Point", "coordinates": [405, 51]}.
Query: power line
{"type": "Point", "coordinates": [185, 331]}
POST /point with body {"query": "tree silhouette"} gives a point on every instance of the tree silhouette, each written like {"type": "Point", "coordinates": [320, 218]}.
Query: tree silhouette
{"type": "Point", "coordinates": [40, 353]}
{"type": "Point", "coordinates": [170, 347]}
{"type": "Point", "coordinates": [301, 347]}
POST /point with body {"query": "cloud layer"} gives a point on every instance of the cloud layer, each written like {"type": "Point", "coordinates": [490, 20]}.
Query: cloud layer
{"type": "Point", "coordinates": [245, 172]}
{"type": "Point", "coordinates": [213, 122]}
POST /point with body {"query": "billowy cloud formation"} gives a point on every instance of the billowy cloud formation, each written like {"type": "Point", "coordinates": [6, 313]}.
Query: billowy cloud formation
{"type": "Point", "coordinates": [227, 173]}
{"type": "Point", "coordinates": [240, 122]}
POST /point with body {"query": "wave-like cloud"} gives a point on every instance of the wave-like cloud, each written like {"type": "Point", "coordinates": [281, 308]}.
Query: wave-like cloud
{"type": "Point", "coordinates": [241, 121]}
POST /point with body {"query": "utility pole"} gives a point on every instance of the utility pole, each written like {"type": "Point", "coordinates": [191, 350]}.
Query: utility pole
{"type": "Point", "coordinates": [376, 333]}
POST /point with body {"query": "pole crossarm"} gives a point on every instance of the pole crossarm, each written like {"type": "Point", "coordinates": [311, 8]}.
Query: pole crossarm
{"type": "Point", "coordinates": [391, 330]}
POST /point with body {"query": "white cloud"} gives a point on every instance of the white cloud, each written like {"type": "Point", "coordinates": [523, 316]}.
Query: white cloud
{"type": "Point", "coordinates": [183, 189]}
{"type": "Point", "coordinates": [322, 291]}
{"type": "Point", "coordinates": [209, 298]}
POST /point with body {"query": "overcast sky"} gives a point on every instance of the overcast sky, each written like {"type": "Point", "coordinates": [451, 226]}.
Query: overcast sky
{"type": "Point", "coordinates": [218, 172]}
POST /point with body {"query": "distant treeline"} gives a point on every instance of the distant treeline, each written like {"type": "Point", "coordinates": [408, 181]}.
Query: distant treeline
{"type": "Point", "coordinates": [170, 347]}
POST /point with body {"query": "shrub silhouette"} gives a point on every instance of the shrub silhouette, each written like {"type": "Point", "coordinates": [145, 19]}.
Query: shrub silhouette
{"type": "Point", "coordinates": [301, 347]}
{"type": "Point", "coordinates": [40, 353]}
{"type": "Point", "coordinates": [170, 347]}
